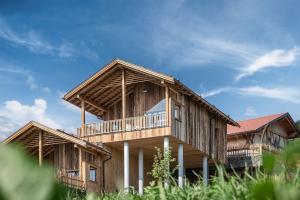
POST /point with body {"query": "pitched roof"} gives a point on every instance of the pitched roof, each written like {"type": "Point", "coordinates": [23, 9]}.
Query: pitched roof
{"type": "Point", "coordinates": [254, 125]}
{"type": "Point", "coordinates": [139, 69]}
{"type": "Point", "coordinates": [56, 133]}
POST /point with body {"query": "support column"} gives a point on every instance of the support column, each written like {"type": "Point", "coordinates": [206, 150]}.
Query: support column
{"type": "Point", "coordinates": [63, 157]}
{"type": "Point", "coordinates": [40, 148]}
{"type": "Point", "coordinates": [126, 167]}
{"type": "Point", "coordinates": [141, 171]}
{"type": "Point", "coordinates": [205, 170]}
{"type": "Point", "coordinates": [181, 167]}
{"type": "Point", "coordinates": [82, 166]}
{"type": "Point", "coordinates": [123, 98]}
{"type": "Point", "coordinates": [167, 105]}
{"type": "Point", "coordinates": [82, 117]}
{"type": "Point", "coordinates": [166, 150]}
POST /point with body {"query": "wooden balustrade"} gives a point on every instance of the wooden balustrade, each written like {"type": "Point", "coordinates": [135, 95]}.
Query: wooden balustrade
{"type": "Point", "coordinates": [152, 120]}
{"type": "Point", "coordinates": [71, 181]}
{"type": "Point", "coordinates": [243, 151]}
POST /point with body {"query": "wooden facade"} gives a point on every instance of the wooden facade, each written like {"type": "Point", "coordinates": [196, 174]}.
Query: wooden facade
{"type": "Point", "coordinates": [142, 107]}
{"type": "Point", "coordinates": [137, 110]}
{"type": "Point", "coordinates": [246, 147]}
{"type": "Point", "coordinates": [76, 163]}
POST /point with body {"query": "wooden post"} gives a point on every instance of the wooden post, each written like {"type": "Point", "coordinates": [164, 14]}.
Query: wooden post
{"type": "Point", "coordinates": [82, 117]}
{"type": "Point", "coordinates": [64, 158]}
{"type": "Point", "coordinates": [82, 166]}
{"type": "Point", "coordinates": [167, 105]}
{"type": "Point", "coordinates": [123, 98]}
{"type": "Point", "coordinates": [80, 162]}
{"type": "Point", "coordinates": [41, 148]}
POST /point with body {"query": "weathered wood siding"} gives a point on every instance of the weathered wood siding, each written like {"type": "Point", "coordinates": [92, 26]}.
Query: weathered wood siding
{"type": "Point", "coordinates": [140, 98]}
{"type": "Point", "coordinates": [276, 135]}
{"type": "Point", "coordinates": [65, 157]}
{"type": "Point", "coordinates": [200, 128]}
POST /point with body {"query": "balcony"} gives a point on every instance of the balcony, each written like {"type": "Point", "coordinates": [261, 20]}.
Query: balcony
{"type": "Point", "coordinates": [147, 121]}
{"type": "Point", "coordinates": [249, 156]}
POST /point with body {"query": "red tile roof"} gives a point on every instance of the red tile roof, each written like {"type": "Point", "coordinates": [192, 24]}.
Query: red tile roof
{"type": "Point", "coordinates": [251, 125]}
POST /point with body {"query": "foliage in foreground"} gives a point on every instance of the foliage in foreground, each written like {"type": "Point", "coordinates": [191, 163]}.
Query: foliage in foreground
{"type": "Point", "coordinates": [21, 179]}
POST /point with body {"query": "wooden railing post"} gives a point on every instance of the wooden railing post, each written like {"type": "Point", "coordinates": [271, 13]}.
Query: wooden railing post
{"type": "Point", "coordinates": [167, 105]}
{"type": "Point", "coordinates": [123, 99]}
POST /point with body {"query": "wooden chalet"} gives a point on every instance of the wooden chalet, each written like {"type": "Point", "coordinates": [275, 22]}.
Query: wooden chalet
{"type": "Point", "coordinates": [137, 110]}
{"type": "Point", "coordinates": [246, 143]}
{"type": "Point", "coordinates": [140, 109]}
{"type": "Point", "coordinates": [76, 162]}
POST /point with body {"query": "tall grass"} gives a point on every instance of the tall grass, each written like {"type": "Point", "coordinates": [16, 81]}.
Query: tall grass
{"type": "Point", "coordinates": [279, 179]}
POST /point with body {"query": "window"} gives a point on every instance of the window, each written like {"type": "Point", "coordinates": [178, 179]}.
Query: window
{"type": "Point", "coordinates": [93, 174]}
{"type": "Point", "coordinates": [73, 173]}
{"type": "Point", "coordinates": [177, 112]}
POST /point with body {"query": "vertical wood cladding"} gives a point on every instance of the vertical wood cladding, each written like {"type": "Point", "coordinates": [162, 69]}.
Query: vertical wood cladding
{"type": "Point", "coordinates": [140, 98]}
{"type": "Point", "coordinates": [202, 129]}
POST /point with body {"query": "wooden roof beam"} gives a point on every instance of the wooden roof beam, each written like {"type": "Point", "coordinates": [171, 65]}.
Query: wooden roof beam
{"type": "Point", "coordinates": [91, 103]}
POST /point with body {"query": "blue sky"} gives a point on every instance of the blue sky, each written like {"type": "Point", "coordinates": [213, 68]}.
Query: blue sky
{"type": "Point", "coordinates": [242, 56]}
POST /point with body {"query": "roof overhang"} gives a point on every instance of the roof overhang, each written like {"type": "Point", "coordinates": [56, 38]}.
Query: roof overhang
{"type": "Point", "coordinates": [287, 116]}
{"type": "Point", "coordinates": [109, 77]}
{"type": "Point", "coordinates": [103, 89]}
{"type": "Point", "coordinates": [28, 136]}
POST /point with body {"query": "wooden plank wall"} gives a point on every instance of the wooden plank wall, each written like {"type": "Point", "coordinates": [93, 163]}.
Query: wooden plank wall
{"type": "Point", "coordinates": [138, 101]}
{"type": "Point", "coordinates": [200, 128]}
{"type": "Point", "coordinates": [66, 157]}
{"type": "Point", "coordinates": [277, 131]}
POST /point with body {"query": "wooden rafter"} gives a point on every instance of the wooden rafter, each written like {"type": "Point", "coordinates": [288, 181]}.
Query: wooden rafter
{"type": "Point", "coordinates": [50, 137]}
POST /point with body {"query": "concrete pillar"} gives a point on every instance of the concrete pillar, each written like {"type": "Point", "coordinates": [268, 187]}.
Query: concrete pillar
{"type": "Point", "coordinates": [141, 171]}
{"type": "Point", "coordinates": [126, 166]}
{"type": "Point", "coordinates": [205, 170]}
{"type": "Point", "coordinates": [180, 163]}
{"type": "Point", "coordinates": [166, 149]}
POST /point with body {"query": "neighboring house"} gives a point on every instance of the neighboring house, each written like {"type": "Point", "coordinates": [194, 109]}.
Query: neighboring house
{"type": "Point", "coordinates": [138, 109]}
{"type": "Point", "coordinates": [246, 143]}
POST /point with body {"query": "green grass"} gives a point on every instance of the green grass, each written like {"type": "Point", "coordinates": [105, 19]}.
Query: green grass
{"type": "Point", "coordinates": [20, 178]}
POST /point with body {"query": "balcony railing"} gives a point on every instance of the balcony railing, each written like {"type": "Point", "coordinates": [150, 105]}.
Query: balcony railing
{"type": "Point", "coordinates": [153, 120]}
{"type": "Point", "coordinates": [248, 156]}
{"type": "Point", "coordinates": [71, 181]}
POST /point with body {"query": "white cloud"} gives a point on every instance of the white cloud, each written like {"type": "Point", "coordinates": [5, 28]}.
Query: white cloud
{"type": "Point", "coordinates": [30, 81]}
{"type": "Point", "coordinates": [274, 59]}
{"type": "Point", "coordinates": [65, 50]}
{"type": "Point", "coordinates": [34, 42]}
{"type": "Point", "coordinates": [250, 111]}
{"type": "Point", "coordinates": [288, 94]}
{"type": "Point", "coordinates": [215, 92]}
{"type": "Point", "coordinates": [14, 115]}
{"type": "Point", "coordinates": [46, 89]}
{"type": "Point", "coordinates": [190, 48]}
